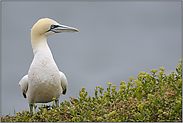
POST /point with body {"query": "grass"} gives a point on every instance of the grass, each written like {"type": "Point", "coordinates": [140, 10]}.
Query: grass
{"type": "Point", "coordinates": [152, 97]}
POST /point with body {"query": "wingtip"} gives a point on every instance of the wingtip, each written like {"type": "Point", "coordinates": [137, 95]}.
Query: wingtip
{"type": "Point", "coordinates": [64, 92]}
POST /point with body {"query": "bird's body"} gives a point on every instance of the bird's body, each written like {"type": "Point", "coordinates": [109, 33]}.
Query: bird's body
{"type": "Point", "coordinates": [44, 81]}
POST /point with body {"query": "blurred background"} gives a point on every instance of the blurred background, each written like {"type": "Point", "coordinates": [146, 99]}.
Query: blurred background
{"type": "Point", "coordinates": [116, 40]}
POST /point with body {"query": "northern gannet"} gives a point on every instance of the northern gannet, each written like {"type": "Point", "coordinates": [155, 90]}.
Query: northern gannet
{"type": "Point", "coordinates": [44, 81]}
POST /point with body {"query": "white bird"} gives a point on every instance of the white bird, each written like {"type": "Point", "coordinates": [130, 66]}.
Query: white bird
{"type": "Point", "coordinates": [44, 81]}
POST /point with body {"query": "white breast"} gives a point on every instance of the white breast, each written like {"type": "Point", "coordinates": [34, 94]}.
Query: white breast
{"type": "Point", "coordinates": [44, 79]}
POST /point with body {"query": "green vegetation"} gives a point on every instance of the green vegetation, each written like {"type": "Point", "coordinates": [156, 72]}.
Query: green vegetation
{"type": "Point", "coordinates": [150, 98]}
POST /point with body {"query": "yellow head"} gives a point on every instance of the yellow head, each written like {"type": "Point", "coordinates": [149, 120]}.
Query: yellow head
{"type": "Point", "coordinates": [46, 27]}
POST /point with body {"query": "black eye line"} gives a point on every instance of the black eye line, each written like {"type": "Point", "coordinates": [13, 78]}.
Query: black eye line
{"type": "Point", "coordinates": [53, 31]}
{"type": "Point", "coordinates": [55, 26]}
{"type": "Point", "coordinates": [48, 30]}
{"type": "Point", "coordinates": [52, 27]}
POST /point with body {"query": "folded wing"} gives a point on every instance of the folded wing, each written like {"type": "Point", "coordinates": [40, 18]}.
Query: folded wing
{"type": "Point", "coordinates": [64, 82]}
{"type": "Point", "coordinates": [24, 82]}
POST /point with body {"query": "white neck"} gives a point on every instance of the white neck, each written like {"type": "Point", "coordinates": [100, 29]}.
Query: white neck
{"type": "Point", "coordinates": [39, 43]}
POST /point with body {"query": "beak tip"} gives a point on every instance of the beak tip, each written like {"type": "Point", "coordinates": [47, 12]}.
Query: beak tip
{"type": "Point", "coordinates": [76, 30]}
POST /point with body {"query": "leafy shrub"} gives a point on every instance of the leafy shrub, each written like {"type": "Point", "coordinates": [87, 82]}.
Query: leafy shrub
{"type": "Point", "coordinates": [150, 98]}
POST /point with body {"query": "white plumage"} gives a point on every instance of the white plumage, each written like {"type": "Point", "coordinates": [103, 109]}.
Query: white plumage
{"type": "Point", "coordinates": [44, 81]}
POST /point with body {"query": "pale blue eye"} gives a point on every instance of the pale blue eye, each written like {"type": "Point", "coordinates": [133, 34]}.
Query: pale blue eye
{"type": "Point", "coordinates": [52, 26]}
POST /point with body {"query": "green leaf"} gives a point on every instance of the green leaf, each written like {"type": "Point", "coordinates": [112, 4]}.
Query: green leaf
{"type": "Point", "coordinates": [172, 97]}
{"type": "Point", "coordinates": [122, 115]}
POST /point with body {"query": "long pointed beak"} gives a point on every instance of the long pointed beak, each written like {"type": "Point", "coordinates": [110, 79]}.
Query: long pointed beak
{"type": "Point", "coordinates": [62, 28]}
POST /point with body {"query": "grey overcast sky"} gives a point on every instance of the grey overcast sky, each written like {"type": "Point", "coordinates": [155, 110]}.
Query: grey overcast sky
{"type": "Point", "coordinates": [116, 40]}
